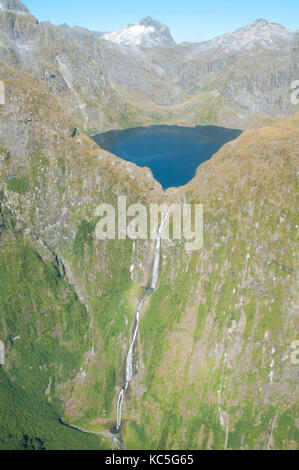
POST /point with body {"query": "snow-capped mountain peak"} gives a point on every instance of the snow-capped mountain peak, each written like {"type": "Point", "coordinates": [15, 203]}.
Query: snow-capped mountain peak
{"type": "Point", "coordinates": [146, 33]}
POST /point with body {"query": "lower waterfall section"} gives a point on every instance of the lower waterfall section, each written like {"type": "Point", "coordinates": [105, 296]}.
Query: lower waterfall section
{"type": "Point", "coordinates": [129, 359]}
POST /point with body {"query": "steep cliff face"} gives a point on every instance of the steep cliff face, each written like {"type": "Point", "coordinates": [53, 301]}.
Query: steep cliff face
{"type": "Point", "coordinates": [213, 356]}
{"type": "Point", "coordinates": [72, 290]}
{"type": "Point", "coordinates": [146, 33]}
{"type": "Point", "coordinates": [13, 5]}
{"type": "Point", "coordinates": [213, 366]}
{"type": "Point", "coordinates": [45, 329]}
{"type": "Point", "coordinates": [16, 21]}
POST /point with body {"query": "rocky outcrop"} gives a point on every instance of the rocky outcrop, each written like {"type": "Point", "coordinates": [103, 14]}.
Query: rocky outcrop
{"type": "Point", "coordinates": [13, 5]}
{"type": "Point", "coordinates": [213, 359]}
{"type": "Point", "coordinates": [146, 33]}
{"type": "Point", "coordinates": [215, 367]}
{"type": "Point", "coordinates": [242, 79]}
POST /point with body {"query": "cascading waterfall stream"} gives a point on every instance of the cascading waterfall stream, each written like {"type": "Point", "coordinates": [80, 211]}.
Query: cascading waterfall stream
{"type": "Point", "coordinates": [156, 264]}
{"type": "Point", "coordinates": [129, 360]}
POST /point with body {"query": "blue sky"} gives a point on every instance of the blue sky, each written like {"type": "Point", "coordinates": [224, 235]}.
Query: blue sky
{"type": "Point", "coordinates": [189, 20]}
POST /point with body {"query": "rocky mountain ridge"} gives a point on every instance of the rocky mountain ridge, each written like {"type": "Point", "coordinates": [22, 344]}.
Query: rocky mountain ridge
{"type": "Point", "coordinates": [145, 33]}
{"type": "Point", "coordinates": [239, 80]}
{"type": "Point", "coordinates": [261, 33]}
{"type": "Point", "coordinates": [213, 359]}
{"type": "Point", "coordinates": [13, 5]}
{"type": "Point", "coordinates": [233, 303]}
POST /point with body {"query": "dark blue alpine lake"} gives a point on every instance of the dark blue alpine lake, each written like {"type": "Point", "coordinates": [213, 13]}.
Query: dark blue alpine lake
{"type": "Point", "coordinates": [172, 153]}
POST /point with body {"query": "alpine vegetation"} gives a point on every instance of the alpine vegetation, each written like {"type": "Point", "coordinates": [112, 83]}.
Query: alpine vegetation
{"type": "Point", "coordinates": [148, 231]}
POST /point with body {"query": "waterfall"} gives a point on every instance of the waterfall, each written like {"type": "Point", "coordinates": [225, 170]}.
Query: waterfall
{"type": "Point", "coordinates": [119, 407]}
{"type": "Point", "coordinates": [129, 362]}
{"type": "Point", "coordinates": [156, 264]}
{"type": "Point", "coordinates": [153, 285]}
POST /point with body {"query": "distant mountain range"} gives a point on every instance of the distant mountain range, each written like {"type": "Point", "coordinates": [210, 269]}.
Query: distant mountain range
{"type": "Point", "coordinates": [140, 76]}
{"type": "Point", "coordinates": [151, 33]}
{"type": "Point", "coordinates": [259, 34]}
{"type": "Point", "coordinates": [214, 362]}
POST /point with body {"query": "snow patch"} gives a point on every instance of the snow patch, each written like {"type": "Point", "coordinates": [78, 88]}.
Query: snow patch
{"type": "Point", "coordinates": [146, 33]}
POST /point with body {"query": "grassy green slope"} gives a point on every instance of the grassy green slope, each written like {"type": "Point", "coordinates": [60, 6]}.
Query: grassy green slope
{"type": "Point", "coordinates": [39, 306]}
{"type": "Point", "coordinates": [216, 338]}
{"type": "Point", "coordinates": [220, 322]}
{"type": "Point", "coordinates": [74, 323]}
{"type": "Point", "coordinates": [43, 324]}
{"type": "Point", "coordinates": [31, 424]}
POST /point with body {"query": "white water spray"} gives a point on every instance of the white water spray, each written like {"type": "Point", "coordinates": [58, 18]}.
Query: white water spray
{"type": "Point", "coordinates": [153, 285]}
{"type": "Point", "coordinates": [156, 264]}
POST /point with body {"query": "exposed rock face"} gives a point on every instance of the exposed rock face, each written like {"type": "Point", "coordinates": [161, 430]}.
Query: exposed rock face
{"type": "Point", "coordinates": [13, 5]}
{"type": "Point", "coordinates": [215, 369]}
{"type": "Point", "coordinates": [241, 80]}
{"type": "Point", "coordinates": [258, 34]}
{"type": "Point", "coordinates": [51, 182]}
{"type": "Point", "coordinates": [214, 354]}
{"type": "Point", "coordinates": [146, 33]}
